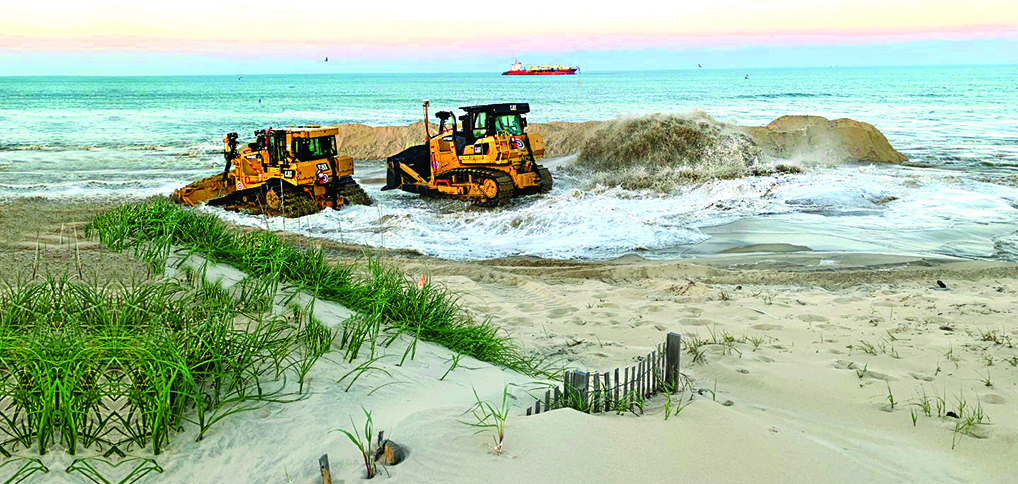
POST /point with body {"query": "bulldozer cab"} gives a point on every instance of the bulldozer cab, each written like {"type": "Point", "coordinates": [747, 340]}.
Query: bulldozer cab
{"type": "Point", "coordinates": [284, 146]}
{"type": "Point", "coordinates": [492, 119]}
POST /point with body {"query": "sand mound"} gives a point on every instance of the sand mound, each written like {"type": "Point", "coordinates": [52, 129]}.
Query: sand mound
{"type": "Point", "coordinates": [815, 137]}
{"type": "Point", "coordinates": [563, 139]}
{"type": "Point", "coordinates": [663, 140]}
{"type": "Point", "coordinates": [377, 143]}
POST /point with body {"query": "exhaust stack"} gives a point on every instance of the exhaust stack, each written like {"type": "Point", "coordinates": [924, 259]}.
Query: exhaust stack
{"type": "Point", "coordinates": [427, 130]}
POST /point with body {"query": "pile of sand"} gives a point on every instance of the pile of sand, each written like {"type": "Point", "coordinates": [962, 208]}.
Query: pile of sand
{"type": "Point", "coordinates": [377, 143]}
{"type": "Point", "coordinates": [817, 138]}
{"type": "Point", "coordinates": [809, 139]}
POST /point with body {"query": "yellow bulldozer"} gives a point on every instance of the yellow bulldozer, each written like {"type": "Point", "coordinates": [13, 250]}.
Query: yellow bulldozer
{"type": "Point", "coordinates": [293, 171]}
{"type": "Point", "coordinates": [487, 159]}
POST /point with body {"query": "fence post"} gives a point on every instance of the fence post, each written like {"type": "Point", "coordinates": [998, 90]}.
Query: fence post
{"type": "Point", "coordinates": [625, 384]}
{"type": "Point", "coordinates": [640, 377]}
{"type": "Point", "coordinates": [672, 361]}
{"type": "Point", "coordinates": [608, 392]}
{"type": "Point", "coordinates": [618, 384]}
{"type": "Point", "coordinates": [654, 379]}
{"type": "Point", "coordinates": [597, 393]}
{"type": "Point", "coordinates": [323, 465]}
{"type": "Point", "coordinates": [584, 385]}
{"type": "Point", "coordinates": [567, 389]}
{"type": "Point", "coordinates": [576, 387]}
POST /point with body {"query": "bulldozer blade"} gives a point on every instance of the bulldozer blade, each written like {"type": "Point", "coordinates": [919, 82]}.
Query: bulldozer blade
{"type": "Point", "coordinates": [204, 190]}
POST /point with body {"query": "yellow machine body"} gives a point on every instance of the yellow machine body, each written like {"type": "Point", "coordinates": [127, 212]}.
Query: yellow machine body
{"type": "Point", "coordinates": [296, 165]}
{"type": "Point", "coordinates": [490, 159]}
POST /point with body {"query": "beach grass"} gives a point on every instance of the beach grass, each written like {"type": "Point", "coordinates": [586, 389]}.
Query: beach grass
{"type": "Point", "coordinates": [490, 417]}
{"type": "Point", "coordinates": [364, 446]}
{"type": "Point", "coordinates": [116, 367]}
{"type": "Point", "coordinates": [425, 311]}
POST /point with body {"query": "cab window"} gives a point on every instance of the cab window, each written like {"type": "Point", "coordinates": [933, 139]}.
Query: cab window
{"type": "Point", "coordinates": [509, 124]}
{"type": "Point", "coordinates": [309, 149]}
{"type": "Point", "coordinates": [277, 147]}
{"type": "Point", "coordinates": [480, 125]}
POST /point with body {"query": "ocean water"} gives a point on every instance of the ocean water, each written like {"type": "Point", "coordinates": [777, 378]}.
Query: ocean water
{"type": "Point", "coordinates": [83, 138]}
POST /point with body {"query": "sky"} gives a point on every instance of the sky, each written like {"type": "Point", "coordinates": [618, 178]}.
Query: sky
{"type": "Point", "coordinates": [115, 37]}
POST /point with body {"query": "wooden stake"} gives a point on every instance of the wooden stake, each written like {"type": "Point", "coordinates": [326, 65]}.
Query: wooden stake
{"type": "Point", "coordinates": [672, 361]}
{"type": "Point", "coordinates": [323, 465]}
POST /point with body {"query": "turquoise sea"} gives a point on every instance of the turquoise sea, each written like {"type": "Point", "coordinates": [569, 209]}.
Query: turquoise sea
{"type": "Point", "coordinates": [81, 138]}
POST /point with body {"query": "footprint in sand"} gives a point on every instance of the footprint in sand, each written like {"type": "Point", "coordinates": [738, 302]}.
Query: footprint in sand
{"type": "Point", "coordinates": [528, 308]}
{"type": "Point", "coordinates": [559, 312]}
{"type": "Point", "coordinates": [844, 365]}
{"type": "Point", "coordinates": [993, 399]}
{"type": "Point", "coordinates": [920, 376]}
{"type": "Point", "coordinates": [766, 327]}
{"type": "Point", "coordinates": [696, 322]}
{"type": "Point", "coordinates": [832, 327]}
{"type": "Point", "coordinates": [876, 375]}
{"type": "Point", "coordinates": [813, 318]}
{"type": "Point", "coordinates": [653, 309]}
{"type": "Point", "coordinates": [862, 372]}
{"type": "Point", "coordinates": [846, 300]}
{"type": "Point", "coordinates": [764, 359]}
{"type": "Point", "coordinates": [695, 311]}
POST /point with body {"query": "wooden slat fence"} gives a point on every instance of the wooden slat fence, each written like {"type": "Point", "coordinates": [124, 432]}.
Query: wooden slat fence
{"type": "Point", "coordinates": [620, 389]}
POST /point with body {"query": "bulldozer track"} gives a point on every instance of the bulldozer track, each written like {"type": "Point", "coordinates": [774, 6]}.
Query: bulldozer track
{"type": "Point", "coordinates": [288, 200]}
{"type": "Point", "coordinates": [352, 192]}
{"type": "Point", "coordinates": [502, 180]}
{"type": "Point", "coordinates": [546, 180]}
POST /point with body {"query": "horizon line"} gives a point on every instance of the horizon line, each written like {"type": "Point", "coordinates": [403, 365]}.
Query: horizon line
{"type": "Point", "coordinates": [609, 71]}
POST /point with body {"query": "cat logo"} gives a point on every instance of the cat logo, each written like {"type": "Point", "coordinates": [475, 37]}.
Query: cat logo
{"type": "Point", "coordinates": [322, 166]}
{"type": "Point", "coordinates": [512, 107]}
{"type": "Point", "coordinates": [289, 173]}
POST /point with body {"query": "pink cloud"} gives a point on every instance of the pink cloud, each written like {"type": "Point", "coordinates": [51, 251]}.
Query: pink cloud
{"type": "Point", "coordinates": [551, 42]}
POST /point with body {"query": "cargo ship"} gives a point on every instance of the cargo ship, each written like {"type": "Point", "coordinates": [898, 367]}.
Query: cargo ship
{"type": "Point", "coordinates": [518, 70]}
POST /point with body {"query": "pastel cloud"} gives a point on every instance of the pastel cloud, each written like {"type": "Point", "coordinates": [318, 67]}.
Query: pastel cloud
{"type": "Point", "coordinates": [405, 29]}
{"type": "Point", "coordinates": [208, 26]}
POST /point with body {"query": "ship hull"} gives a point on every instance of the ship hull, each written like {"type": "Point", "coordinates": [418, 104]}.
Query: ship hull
{"type": "Point", "coordinates": [561, 72]}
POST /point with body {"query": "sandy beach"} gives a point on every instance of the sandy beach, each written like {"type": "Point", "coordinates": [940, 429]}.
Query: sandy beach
{"type": "Point", "coordinates": [819, 342]}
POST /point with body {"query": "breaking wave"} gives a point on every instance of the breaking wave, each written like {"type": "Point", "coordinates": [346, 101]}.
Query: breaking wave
{"type": "Point", "coordinates": [96, 147]}
{"type": "Point", "coordinates": [661, 152]}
